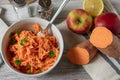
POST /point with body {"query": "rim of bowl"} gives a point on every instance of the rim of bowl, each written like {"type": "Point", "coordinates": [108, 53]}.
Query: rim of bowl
{"type": "Point", "coordinates": [48, 70]}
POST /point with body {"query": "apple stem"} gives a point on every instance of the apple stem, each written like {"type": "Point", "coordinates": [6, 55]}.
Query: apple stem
{"type": "Point", "coordinates": [78, 21]}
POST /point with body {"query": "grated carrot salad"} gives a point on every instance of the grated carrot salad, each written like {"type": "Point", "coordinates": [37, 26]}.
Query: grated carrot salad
{"type": "Point", "coordinates": [30, 53]}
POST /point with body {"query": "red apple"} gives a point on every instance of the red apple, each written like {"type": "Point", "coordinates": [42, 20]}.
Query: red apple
{"type": "Point", "coordinates": [79, 21]}
{"type": "Point", "coordinates": [110, 21]}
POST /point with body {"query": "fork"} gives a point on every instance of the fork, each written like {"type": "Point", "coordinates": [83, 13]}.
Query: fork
{"type": "Point", "coordinates": [48, 28]}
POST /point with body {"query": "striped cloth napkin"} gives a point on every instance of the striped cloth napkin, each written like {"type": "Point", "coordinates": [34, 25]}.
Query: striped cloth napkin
{"type": "Point", "coordinates": [101, 67]}
{"type": "Point", "coordinates": [104, 67]}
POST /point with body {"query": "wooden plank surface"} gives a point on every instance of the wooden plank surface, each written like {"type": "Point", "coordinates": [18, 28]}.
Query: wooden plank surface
{"type": "Point", "coordinates": [64, 70]}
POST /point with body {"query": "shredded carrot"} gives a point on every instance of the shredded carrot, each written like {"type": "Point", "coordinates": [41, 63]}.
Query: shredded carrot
{"type": "Point", "coordinates": [36, 28]}
{"type": "Point", "coordinates": [31, 52]}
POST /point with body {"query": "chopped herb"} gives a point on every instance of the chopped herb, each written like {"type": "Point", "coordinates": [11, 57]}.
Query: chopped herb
{"type": "Point", "coordinates": [13, 41]}
{"type": "Point", "coordinates": [22, 41]}
{"type": "Point", "coordinates": [11, 34]}
{"type": "Point", "coordinates": [17, 32]}
{"type": "Point", "coordinates": [38, 71]}
{"type": "Point", "coordinates": [17, 62]}
{"type": "Point", "coordinates": [25, 39]}
{"type": "Point", "coordinates": [51, 54]}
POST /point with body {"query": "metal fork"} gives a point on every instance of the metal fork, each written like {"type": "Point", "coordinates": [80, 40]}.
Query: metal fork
{"type": "Point", "coordinates": [48, 28]}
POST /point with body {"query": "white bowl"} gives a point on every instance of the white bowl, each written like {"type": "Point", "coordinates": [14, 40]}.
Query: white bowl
{"type": "Point", "coordinates": [22, 25]}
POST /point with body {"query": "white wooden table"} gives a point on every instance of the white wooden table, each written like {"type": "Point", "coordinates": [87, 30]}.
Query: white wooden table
{"type": "Point", "coordinates": [64, 70]}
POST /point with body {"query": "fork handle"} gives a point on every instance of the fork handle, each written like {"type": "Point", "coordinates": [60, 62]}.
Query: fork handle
{"type": "Point", "coordinates": [58, 11]}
